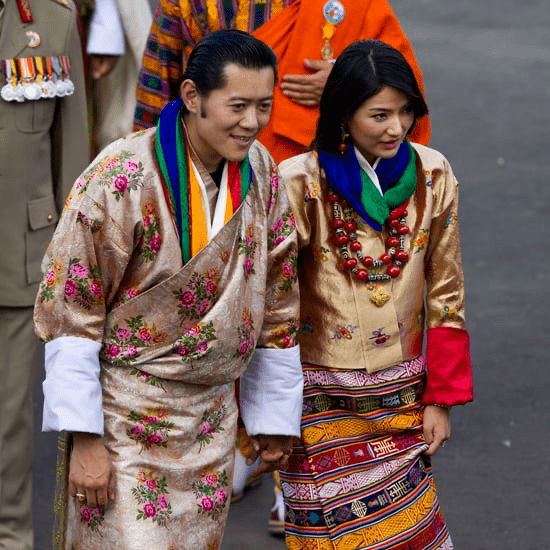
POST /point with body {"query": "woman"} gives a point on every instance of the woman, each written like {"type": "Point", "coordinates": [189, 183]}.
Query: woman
{"type": "Point", "coordinates": [380, 265]}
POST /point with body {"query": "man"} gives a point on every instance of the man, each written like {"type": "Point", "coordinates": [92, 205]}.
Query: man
{"type": "Point", "coordinates": [44, 147]}
{"type": "Point", "coordinates": [306, 35]}
{"type": "Point", "coordinates": [174, 261]}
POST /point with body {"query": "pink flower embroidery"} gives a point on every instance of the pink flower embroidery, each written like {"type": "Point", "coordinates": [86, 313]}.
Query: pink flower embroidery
{"type": "Point", "coordinates": [243, 349]}
{"type": "Point", "coordinates": [203, 306]}
{"type": "Point", "coordinates": [96, 288]}
{"type": "Point", "coordinates": [205, 429]}
{"type": "Point", "coordinates": [202, 346]}
{"type": "Point", "coordinates": [131, 351]}
{"type": "Point", "coordinates": [211, 479]}
{"type": "Point", "coordinates": [79, 270]}
{"type": "Point", "coordinates": [183, 351]}
{"type": "Point", "coordinates": [86, 515]}
{"type": "Point", "coordinates": [131, 166]}
{"type": "Point", "coordinates": [146, 221]}
{"type": "Point", "coordinates": [207, 503]}
{"type": "Point", "coordinates": [277, 226]}
{"type": "Point", "coordinates": [248, 266]}
{"type": "Point", "coordinates": [50, 277]}
{"type": "Point", "coordinates": [211, 286]}
{"type": "Point", "coordinates": [121, 183]}
{"type": "Point", "coordinates": [137, 430]}
{"type": "Point", "coordinates": [70, 288]}
{"type": "Point", "coordinates": [194, 331]}
{"type": "Point", "coordinates": [144, 334]}
{"type": "Point", "coordinates": [154, 439]}
{"type": "Point", "coordinates": [132, 292]}
{"type": "Point", "coordinates": [123, 333]}
{"type": "Point", "coordinates": [151, 484]}
{"type": "Point", "coordinates": [113, 351]}
{"type": "Point", "coordinates": [97, 512]}
{"type": "Point", "coordinates": [163, 505]}
{"type": "Point", "coordinates": [81, 183]}
{"type": "Point", "coordinates": [154, 244]}
{"type": "Point", "coordinates": [287, 270]}
{"type": "Point", "coordinates": [278, 240]}
{"type": "Point", "coordinates": [220, 496]}
{"type": "Point", "coordinates": [188, 298]}
{"type": "Point", "coordinates": [150, 510]}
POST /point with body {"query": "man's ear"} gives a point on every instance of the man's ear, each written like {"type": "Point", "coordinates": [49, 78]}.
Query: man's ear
{"type": "Point", "coordinates": [190, 96]}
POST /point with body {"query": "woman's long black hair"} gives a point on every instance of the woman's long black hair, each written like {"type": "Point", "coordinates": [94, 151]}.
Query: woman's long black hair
{"type": "Point", "coordinates": [359, 73]}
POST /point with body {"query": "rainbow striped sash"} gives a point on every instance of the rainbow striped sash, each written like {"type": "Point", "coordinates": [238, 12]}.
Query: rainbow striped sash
{"type": "Point", "coordinates": [182, 185]}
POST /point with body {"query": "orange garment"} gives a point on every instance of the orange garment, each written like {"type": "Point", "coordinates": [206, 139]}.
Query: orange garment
{"type": "Point", "coordinates": [296, 34]}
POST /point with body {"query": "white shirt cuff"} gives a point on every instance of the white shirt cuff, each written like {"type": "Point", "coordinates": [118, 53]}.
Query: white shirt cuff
{"type": "Point", "coordinates": [106, 34]}
{"type": "Point", "coordinates": [72, 389]}
{"type": "Point", "coordinates": [271, 392]}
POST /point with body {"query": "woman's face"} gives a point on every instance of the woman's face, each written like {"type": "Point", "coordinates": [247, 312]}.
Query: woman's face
{"type": "Point", "coordinates": [381, 123]}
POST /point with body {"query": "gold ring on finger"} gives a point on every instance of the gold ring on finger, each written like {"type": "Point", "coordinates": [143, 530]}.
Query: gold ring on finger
{"type": "Point", "coordinates": [80, 497]}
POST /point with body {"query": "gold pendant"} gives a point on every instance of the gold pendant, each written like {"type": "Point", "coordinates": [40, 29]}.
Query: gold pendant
{"type": "Point", "coordinates": [379, 296]}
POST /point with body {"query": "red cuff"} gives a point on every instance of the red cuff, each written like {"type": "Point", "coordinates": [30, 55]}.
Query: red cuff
{"type": "Point", "coordinates": [449, 379]}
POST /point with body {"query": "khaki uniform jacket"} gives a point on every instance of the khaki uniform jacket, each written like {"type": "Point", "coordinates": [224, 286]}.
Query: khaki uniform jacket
{"type": "Point", "coordinates": [43, 147]}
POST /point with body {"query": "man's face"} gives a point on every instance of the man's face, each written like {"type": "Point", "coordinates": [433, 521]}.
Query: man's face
{"type": "Point", "coordinates": [225, 124]}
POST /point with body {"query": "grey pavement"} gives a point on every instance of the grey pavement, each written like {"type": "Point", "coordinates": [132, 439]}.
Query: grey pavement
{"type": "Point", "coordinates": [487, 72]}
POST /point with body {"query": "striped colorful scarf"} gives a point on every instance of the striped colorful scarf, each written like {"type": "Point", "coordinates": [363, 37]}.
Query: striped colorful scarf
{"type": "Point", "coordinates": [182, 186]}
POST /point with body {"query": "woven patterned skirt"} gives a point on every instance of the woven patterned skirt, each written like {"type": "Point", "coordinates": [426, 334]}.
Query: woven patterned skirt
{"type": "Point", "coordinates": [358, 478]}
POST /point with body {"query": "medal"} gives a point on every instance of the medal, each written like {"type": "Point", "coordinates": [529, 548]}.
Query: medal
{"type": "Point", "coordinates": [34, 39]}
{"type": "Point", "coordinates": [60, 89]}
{"type": "Point", "coordinates": [31, 90]}
{"type": "Point", "coordinates": [50, 82]}
{"type": "Point", "coordinates": [7, 90]}
{"type": "Point", "coordinates": [18, 92]}
{"type": "Point", "coordinates": [69, 86]}
{"type": "Point", "coordinates": [334, 13]}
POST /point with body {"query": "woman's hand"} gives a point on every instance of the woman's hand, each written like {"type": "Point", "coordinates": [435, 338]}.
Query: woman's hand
{"type": "Point", "coordinates": [437, 427]}
{"type": "Point", "coordinates": [306, 89]}
{"type": "Point", "coordinates": [274, 451]}
{"type": "Point", "coordinates": [91, 472]}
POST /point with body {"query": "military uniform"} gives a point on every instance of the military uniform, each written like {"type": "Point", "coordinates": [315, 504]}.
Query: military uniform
{"type": "Point", "coordinates": [44, 146]}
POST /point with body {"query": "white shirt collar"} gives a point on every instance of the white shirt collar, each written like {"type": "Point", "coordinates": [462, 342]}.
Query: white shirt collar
{"type": "Point", "coordinates": [365, 165]}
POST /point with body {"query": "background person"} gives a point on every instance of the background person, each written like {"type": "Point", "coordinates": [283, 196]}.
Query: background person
{"type": "Point", "coordinates": [377, 227]}
{"type": "Point", "coordinates": [44, 139]}
{"type": "Point", "coordinates": [164, 233]}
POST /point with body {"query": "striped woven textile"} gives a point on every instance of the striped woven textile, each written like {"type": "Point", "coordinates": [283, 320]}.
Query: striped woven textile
{"type": "Point", "coordinates": [357, 478]}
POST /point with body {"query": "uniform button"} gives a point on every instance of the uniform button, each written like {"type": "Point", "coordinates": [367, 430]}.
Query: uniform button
{"type": "Point", "coordinates": [50, 217]}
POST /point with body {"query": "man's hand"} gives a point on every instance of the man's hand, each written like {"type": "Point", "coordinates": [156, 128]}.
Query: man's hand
{"type": "Point", "coordinates": [101, 65]}
{"type": "Point", "coordinates": [91, 473]}
{"type": "Point", "coordinates": [274, 451]}
{"type": "Point", "coordinates": [437, 427]}
{"type": "Point", "coordinates": [306, 89]}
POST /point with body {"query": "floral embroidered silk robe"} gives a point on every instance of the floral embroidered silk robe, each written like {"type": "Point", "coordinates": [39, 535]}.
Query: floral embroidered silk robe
{"type": "Point", "coordinates": [171, 341]}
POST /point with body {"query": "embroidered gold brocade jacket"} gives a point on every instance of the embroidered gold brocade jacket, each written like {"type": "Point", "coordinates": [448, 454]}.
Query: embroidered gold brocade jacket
{"type": "Point", "coordinates": [340, 326]}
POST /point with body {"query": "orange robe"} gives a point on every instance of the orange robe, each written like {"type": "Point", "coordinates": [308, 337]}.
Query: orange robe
{"type": "Point", "coordinates": [296, 34]}
{"type": "Point", "coordinates": [293, 28]}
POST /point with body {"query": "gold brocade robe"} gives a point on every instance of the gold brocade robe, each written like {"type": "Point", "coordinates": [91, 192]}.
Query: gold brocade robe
{"type": "Point", "coordinates": [173, 340]}
{"type": "Point", "coordinates": [340, 326]}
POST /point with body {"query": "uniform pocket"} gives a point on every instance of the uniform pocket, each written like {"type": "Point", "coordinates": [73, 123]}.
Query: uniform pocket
{"type": "Point", "coordinates": [43, 216]}
{"type": "Point", "coordinates": [34, 116]}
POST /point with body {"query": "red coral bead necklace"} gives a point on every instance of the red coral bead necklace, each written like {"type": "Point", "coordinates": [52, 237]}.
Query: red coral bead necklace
{"type": "Point", "coordinates": [346, 233]}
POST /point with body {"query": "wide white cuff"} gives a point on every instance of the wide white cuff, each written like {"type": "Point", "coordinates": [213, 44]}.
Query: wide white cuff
{"type": "Point", "coordinates": [271, 392]}
{"type": "Point", "coordinates": [72, 390]}
{"type": "Point", "coordinates": [106, 34]}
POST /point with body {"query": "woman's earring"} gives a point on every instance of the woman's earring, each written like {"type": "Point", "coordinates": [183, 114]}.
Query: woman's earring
{"type": "Point", "coordinates": [343, 147]}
